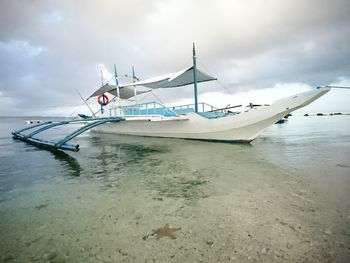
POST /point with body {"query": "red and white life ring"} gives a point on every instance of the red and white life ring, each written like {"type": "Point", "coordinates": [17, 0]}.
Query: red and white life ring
{"type": "Point", "coordinates": [102, 100]}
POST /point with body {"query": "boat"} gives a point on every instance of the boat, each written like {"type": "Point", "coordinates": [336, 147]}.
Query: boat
{"type": "Point", "coordinates": [197, 121]}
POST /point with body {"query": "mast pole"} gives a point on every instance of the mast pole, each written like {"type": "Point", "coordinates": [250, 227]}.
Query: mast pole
{"type": "Point", "coordinates": [117, 84]}
{"type": "Point", "coordinates": [102, 86]}
{"type": "Point", "coordinates": [133, 80]}
{"type": "Point", "coordinates": [101, 76]}
{"type": "Point", "coordinates": [195, 78]}
{"type": "Point", "coordinates": [116, 80]}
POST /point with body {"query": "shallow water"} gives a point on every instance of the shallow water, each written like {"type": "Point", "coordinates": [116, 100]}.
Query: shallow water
{"type": "Point", "coordinates": [284, 198]}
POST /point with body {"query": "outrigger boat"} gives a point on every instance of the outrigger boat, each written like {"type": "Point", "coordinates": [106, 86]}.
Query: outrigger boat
{"type": "Point", "coordinates": [198, 121]}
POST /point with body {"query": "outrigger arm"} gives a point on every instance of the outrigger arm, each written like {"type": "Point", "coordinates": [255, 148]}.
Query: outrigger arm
{"type": "Point", "coordinates": [61, 144]}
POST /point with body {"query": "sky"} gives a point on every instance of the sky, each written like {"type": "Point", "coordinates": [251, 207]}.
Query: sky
{"type": "Point", "coordinates": [260, 50]}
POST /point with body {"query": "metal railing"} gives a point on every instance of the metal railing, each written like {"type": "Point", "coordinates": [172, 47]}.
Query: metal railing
{"type": "Point", "coordinates": [156, 108]}
{"type": "Point", "coordinates": [202, 107]}
{"type": "Point", "coordinates": [149, 108]}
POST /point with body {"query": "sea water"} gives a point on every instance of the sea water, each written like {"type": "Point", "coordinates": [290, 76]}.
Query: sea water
{"type": "Point", "coordinates": [283, 198]}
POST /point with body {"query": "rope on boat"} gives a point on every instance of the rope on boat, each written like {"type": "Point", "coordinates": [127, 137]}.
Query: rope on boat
{"type": "Point", "coordinates": [218, 81]}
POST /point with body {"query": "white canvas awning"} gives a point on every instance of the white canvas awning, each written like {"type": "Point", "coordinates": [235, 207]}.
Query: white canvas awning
{"type": "Point", "coordinates": [105, 88]}
{"type": "Point", "coordinates": [178, 79]}
{"type": "Point", "coordinates": [125, 92]}
{"type": "Point", "coordinates": [172, 80]}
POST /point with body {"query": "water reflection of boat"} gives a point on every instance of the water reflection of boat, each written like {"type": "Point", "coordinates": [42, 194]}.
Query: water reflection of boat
{"type": "Point", "coordinates": [67, 160]}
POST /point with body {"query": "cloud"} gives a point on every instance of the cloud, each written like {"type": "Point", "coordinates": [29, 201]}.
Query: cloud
{"type": "Point", "coordinates": [50, 48]}
{"type": "Point", "coordinates": [52, 18]}
{"type": "Point", "coordinates": [21, 48]}
{"type": "Point", "coordinates": [6, 103]}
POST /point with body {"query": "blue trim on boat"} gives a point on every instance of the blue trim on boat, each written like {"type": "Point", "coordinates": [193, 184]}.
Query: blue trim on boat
{"type": "Point", "coordinates": [211, 115]}
{"type": "Point", "coordinates": [221, 141]}
{"type": "Point", "coordinates": [184, 111]}
{"type": "Point", "coordinates": [246, 142]}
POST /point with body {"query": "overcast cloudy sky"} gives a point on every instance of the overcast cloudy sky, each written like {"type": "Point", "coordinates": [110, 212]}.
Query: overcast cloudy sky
{"type": "Point", "coordinates": [50, 47]}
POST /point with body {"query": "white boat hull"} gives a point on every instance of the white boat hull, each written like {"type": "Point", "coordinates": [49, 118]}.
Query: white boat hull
{"type": "Point", "coordinates": [242, 127]}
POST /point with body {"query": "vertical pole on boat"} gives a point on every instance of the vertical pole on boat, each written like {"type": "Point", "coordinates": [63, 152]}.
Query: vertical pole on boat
{"type": "Point", "coordinates": [133, 80]}
{"type": "Point", "coordinates": [116, 81]}
{"type": "Point", "coordinates": [101, 76]}
{"type": "Point", "coordinates": [117, 84]}
{"type": "Point", "coordinates": [195, 79]}
{"type": "Point", "coordinates": [102, 86]}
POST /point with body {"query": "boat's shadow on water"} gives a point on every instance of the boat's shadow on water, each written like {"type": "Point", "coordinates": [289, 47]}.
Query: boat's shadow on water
{"type": "Point", "coordinates": [122, 156]}
{"type": "Point", "coordinates": [67, 161]}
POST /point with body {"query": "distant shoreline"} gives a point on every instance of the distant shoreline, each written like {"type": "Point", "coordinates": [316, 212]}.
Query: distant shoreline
{"type": "Point", "coordinates": [320, 114]}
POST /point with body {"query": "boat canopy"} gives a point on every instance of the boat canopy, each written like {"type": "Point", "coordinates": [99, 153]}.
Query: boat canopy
{"type": "Point", "coordinates": [177, 79]}
{"type": "Point", "coordinates": [125, 92]}
{"type": "Point", "coordinates": [172, 80]}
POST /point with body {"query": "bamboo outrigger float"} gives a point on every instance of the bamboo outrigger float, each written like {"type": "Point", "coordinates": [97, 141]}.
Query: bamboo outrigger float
{"type": "Point", "coordinates": [61, 144]}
